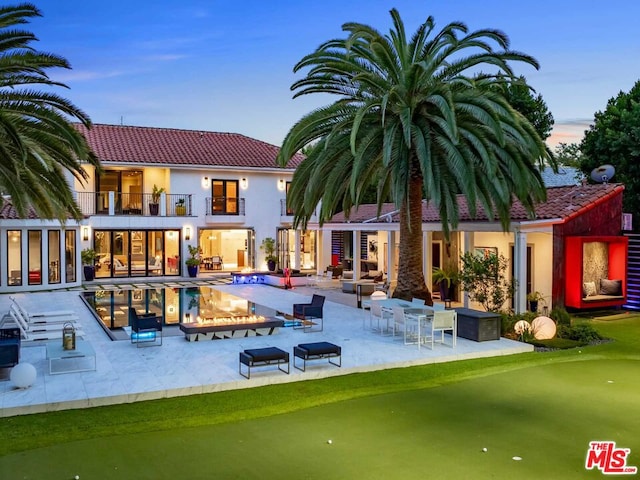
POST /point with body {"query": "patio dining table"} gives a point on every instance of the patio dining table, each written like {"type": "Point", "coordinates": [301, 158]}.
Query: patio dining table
{"type": "Point", "coordinates": [421, 314]}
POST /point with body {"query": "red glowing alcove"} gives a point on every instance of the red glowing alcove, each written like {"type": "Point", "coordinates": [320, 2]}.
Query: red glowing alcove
{"type": "Point", "coordinates": [591, 259]}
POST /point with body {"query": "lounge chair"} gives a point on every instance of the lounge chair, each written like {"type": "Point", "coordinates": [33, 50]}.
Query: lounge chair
{"type": "Point", "coordinates": [41, 329]}
{"type": "Point", "coordinates": [44, 315]}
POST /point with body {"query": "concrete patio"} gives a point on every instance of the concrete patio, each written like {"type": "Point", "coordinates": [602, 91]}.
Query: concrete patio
{"type": "Point", "coordinates": [126, 374]}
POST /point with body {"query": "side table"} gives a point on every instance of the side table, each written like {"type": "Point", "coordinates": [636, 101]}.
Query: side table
{"type": "Point", "coordinates": [82, 359]}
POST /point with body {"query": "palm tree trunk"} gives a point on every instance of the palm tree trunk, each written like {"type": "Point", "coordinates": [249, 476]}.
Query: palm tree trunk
{"type": "Point", "coordinates": [411, 283]}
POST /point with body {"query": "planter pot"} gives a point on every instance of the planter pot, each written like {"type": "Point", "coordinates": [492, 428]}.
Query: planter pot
{"type": "Point", "coordinates": [447, 293]}
{"type": "Point", "coordinates": [89, 272]}
{"type": "Point", "coordinates": [154, 208]}
{"type": "Point", "coordinates": [181, 210]}
{"type": "Point", "coordinates": [271, 265]}
{"type": "Point", "coordinates": [533, 305]}
{"type": "Point", "coordinates": [193, 270]}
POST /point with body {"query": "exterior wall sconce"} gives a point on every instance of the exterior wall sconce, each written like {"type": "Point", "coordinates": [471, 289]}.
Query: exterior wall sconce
{"type": "Point", "coordinates": [205, 182]}
{"type": "Point", "coordinates": [85, 234]}
{"type": "Point", "coordinates": [244, 183]}
{"type": "Point", "coordinates": [281, 185]}
{"type": "Point", "coordinates": [187, 233]}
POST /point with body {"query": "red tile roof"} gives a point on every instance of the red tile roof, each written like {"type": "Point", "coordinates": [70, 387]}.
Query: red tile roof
{"type": "Point", "coordinates": [9, 212]}
{"type": "Point", "coordinates": [562, 203]}
{"type": "Point", "coordinates": [168, 146]}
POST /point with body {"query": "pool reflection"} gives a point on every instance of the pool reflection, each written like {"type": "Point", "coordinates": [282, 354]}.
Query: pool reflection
{"type": "Point", "coordinates": [174, 305]}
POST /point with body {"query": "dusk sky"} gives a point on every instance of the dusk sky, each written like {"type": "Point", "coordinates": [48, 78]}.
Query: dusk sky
{"type": "Point", "coordinates": [228, 66]}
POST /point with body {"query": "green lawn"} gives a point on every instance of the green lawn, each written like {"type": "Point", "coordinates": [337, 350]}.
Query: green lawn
{"type": "Point", "coordinates": [420, 422]}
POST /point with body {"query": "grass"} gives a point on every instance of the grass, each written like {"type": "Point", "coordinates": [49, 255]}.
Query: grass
{"type": "Point", "coordinates": [435, 419]}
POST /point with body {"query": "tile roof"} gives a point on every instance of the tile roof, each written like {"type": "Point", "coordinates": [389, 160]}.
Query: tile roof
{"type": "Point", "coordinates": [562, 203]}
{"type": "Point", "coordinates": [168, 146]}
{"type": "Point", "coordinates": [9, 212]}
{"type": "Point", "coordinates": [566, 176]}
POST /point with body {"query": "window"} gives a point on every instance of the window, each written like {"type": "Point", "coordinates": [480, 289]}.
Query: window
{"type": "Point", "coordinates": [136, 253]}
{"type": "Point", "coordinates": [54, 256]}
{"type": "Point", "coordinates": [35, 257]}
{"type": "Point", "coordinates": [70, 255]}
{"type": "Point", "coordinates": [224, 200]}
{"type": "Point", "coordinates": [14, 256]}
{"type": "Point", "coordinates": [127, 185]}
{"type": "Point", "coordinates": [289, 210]}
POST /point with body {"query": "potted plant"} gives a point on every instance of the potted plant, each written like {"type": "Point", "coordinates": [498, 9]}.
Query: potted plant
{"type": "Point", "coordinates": [154, 206]}
{"type": "Point", "coordinates": [193, 261]}
{"type": "Point", "coordinates": [88, 256]}
{"type": "Point", "coordinates": [534, 298]}
{"type": "Point", "coordinates": [447, 280]}
{"type": "Point", "coordinates": [268, 246]}
{"type": "Point", "coordinates": [181, 209]}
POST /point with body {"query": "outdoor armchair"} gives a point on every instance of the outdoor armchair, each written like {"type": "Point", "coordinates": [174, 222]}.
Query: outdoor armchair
{"type": "Point", "coordinates": [310, 311]}
{"type": "Point", "coordinates": [145, 327]}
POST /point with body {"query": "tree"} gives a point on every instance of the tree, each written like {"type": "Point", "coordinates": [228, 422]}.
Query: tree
{"type": "Point", "coordinates": [522, 97]}
{"type": "Point", "coordinates": [37, 139]}
{"type": "Point", "coordinates": [484, 278]}
{"type": "Point", "coordinates": [614, 138]}
{"type": "Point", "coordinates": [568, 154]}
{"type": "Point", "coordinates": [412, 120]}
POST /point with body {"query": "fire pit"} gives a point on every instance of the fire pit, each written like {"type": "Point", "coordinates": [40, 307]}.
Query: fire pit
{"type": "Point", "coordinates": [218, 328]}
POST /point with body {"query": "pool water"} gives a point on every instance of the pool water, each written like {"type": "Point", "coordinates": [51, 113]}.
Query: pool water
{"type": "Point", "coordinates": [174, 305]}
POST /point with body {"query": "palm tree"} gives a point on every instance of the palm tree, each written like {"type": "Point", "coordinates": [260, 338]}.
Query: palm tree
{"type": "Point", "coordinates": [37, 140]}
{"type": "Point", "coordinates": [419, 120]}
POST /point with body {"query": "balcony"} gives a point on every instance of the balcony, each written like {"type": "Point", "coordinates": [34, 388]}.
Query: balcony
{"type": "Point", "coordinates": [142, 204]}
{"type": "Point", "coordinates": [286, 214]}
{"type": "Point", "coordinates": [225, 210]}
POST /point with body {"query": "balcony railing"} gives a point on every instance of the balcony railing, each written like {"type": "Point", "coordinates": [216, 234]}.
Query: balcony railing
{"type": "Point", "coordinates": [225, 206]}
{"type": "Point", "coordinates": [116, 203]}
{"type": "Point", "coordinates": [284, 211]}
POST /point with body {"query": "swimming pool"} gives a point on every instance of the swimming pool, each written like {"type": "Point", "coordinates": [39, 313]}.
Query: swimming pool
{"type": "Point", "coordinates": [175, 305]}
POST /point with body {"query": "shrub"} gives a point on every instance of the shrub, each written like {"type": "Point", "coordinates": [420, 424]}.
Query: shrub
{"type": "Point", "coordinates": [582, 333]}
{"type": "Point", "coordinates": [508, 320]}
{"type": "Point", "coordinates": [560, 316]}
{"type": "Point", "coordinates": [485, 279]}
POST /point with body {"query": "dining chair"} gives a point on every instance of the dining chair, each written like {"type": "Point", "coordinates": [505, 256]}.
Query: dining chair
{"type": "Point", "coordinates": [408, 323]}
{"type": "Point", "coordinates": [443, 321]}
{"type": "Point", "coordinates": [366, 304]}
{"type": "Point", "coordinates": [382, 317]}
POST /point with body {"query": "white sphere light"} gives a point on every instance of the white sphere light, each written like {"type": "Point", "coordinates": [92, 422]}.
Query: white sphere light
{"type": "Point", "coordinates": [543, 328]}
{"type": "Point", "coordinates": [23, 375]}
{"type": "Point", "coordinates": [521, 326]}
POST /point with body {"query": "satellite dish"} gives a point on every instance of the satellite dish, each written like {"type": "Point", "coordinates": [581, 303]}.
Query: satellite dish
{"type": "Point", "coordinates": [603, 173]}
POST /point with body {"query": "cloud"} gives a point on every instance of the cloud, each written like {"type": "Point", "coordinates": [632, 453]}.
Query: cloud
{"type": "Point", "coordinates": [570, 130]}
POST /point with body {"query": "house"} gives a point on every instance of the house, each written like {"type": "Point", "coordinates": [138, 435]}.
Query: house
{"type": "Point", "coordinates": [220, 191]}
{"type": "Point", "coordinates": [541, 251]}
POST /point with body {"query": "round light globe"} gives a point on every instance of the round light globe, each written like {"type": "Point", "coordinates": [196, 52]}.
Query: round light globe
{"type": "Point", "coordinates": [521, 326]}
{"type": "Point", "coordinates": [543, 328]}
{"type": "Point", "coordinates": [23, 375]}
